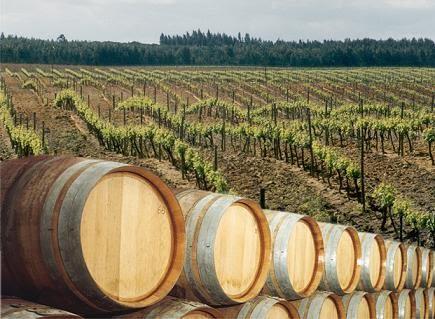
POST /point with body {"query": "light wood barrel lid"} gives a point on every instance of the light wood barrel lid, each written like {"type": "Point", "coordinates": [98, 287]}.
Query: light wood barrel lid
{"type": "Point", "coordinates": [302, 258]}
{"type": "Point", "coordinates": [329, 309]}
{"type": "Point", "coordinates": [385, 304]}
{"type": "Point", "coordinates": [364, 310]}
{"type": "Point", "coordinates": [406, 301]}
{"type": "Point", "coordinates": [237, 251]}
{"type": "Point", "coordinates": [347, 260]}
{"type": "Point", "coordinates": [377, 262]}
{"type": "Point", "coordinates": [422, 303]}
{"type": "Point", "coordinates": [127, 236]}
{"type": "Point", "coordinates": [388, 309]}
{"type": "Point", "coordinates": [279, 311]}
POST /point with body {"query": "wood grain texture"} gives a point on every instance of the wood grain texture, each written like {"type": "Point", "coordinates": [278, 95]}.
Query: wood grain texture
{"type": "Point", "coordinates": [396, 266]}
{"type": "Point", "coordinates": [421, 303]}
{"type": "Point", "coordinates": [321, 305]}
{"type": "Point", "coordinates": [297, 256]}
{"type": "Point", "coordinates": [413, 275]}
{"type": "Point", "coordinates": [48, 259]}
{"type": "Point", "coordinates": [431, 302]}
{"type": "Point", "coordinates": [359, 305]}
{"type": "Point", "coordinates": [406, 304]}
{"type": "Point", "coordinates": [170, 308]}
{"type": "Point", "coordinates": [386, 305]}
{"type": "Point", "coordinates": [261, 307]}
{"type": "Point", "coordinates": [14, 308]}
{"type": "Point", "coordinates": [373, 262]}
{"type": "Point", "coordinates": [342, 258]}
{"type": "Point", "coordinates": [427, 267]}
{"type": "Point", "coordinates": [229, 248]}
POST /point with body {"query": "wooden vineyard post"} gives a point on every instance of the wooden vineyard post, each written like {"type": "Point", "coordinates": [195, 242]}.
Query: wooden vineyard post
{"type": "Point", "coordinates": [113, 101]}
{"type": "Point", "coordinates": [202, 94]}
{"type": "Point", "coordinates": [215, 162]}
{"type": "Point", "coordinates": [81, 91]}
{"type": "Point", "coordinates": [167, 101]}
{"type": "Point", "coordinates": [432, 103]}
{"type": "Point", "coordinates": [249, 111]}
{"type": "Point", "coordinates": [363, 199]}
{"type": "Point", "coordinates": [308, 95]}
{"type": "Point", "coordinates": [155, 94]}
{"type": "Point", "coordinates": [234, 97]}
{"type": "Point", "coordinates": [144, 88]}
{"type": "Point", "coordinates": [34, 121]}
{"type": "Point", "coordinates": [263, 198]}
{"type": "Point", "coordinates": [122, 96]}
{"type": "Point", "coordinates": [43, 134]}
{"type": "Point", "coordinates": [124, 116]}
{"type": "Point", "coordinates": [99, 111]}
{"type": "Point", "coordinates": [141, 116]}
{"type": "Point", "coordinates": [311, 142]}
{"type": "Point", "coordinates": [159, 117]}
{"type": "Point", "coordinates": [217, 92]}
{"type": "Point", "coordinates": [89, 101]}
{"type": "Point", "coordinates": [132, 90]}
{"type": "Point", "coordinates": [286, 95]}
{"type": "Point", "coordinates": [27, 122]}
{"type": "Point", "coordinates": [110, 116]}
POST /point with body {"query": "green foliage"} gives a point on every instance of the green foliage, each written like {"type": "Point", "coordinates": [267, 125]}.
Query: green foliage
{"type": "Point", "coordinates": [384, 195]}
{"type": "Point", "coordinates": [25, 142]}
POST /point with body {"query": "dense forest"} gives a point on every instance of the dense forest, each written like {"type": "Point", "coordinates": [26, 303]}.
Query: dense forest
{"type": "Point", "coordinates": [199, 48]}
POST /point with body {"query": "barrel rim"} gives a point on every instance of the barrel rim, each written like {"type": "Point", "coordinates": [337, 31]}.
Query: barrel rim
{"type": "Point", "coordinates": [409, 294]}
{"type": "Point", "coordinates": [409, 283]}
{"type": "Point", "coordinates": [381, 280]}
{"type": "Point", "coordinates": [430, 272]}
{"type": "Point", "coordinates": [265, 258]}
{"type": "Point", "coordinates": [338, 303]}
{"type": "Point", "coordinates": [177, 248]}
{"type": "Point", "coordinates": [283, 287]}
{"type": "Point", "coordinates": [389, 276]}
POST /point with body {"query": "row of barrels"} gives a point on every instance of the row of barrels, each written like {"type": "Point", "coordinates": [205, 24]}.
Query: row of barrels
{"type": "Point", "coordinates": [407, 304]}
{"type": "Point", "coordinates": [96, 237]}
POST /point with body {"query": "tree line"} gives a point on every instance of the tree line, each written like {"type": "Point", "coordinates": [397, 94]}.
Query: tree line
{"type": "Point", "coordinates": [198, 48]}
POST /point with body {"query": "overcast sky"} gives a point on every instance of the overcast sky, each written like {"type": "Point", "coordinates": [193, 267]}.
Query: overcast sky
{"type": "Point", "coordinates": [144, 20]}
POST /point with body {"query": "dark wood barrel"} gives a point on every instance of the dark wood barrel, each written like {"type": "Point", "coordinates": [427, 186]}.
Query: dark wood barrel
{"type": "Point", "coordinates": [172, 308]}
{"type": "Point", "coordinates": [13, 308]}
{"type": "Point", "coordinates": [261, 307]}
{"type": "Point", "coordinates": [88, 236]}
{"type": "Point", "coordinates": [228, 248]}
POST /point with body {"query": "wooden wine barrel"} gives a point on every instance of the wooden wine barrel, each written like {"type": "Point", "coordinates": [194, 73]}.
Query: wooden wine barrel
{"type": "Point", "coordinates": [342, 258]}
{"type": "Point", "coordinates": [88, 236]}
{"type": "Point", "coordinates": [228, 248]}
{"type": "Point", "coordinates": [297, 255]}
{"type": "Point", "coordinates": [396, 266]}
{"type": "Point", "coordinates": [13, 308]}
{"type": "Point", "coordinates": [413, 271]}
{"type": "Point", "coordinates": [261, 307]}
{"type": "Point", "coordinates": [172, 308]}
{"type": "Point", "coordinates": [373, 262]}
{"type": "Point", "coordinates": [386, 305]}
{"type": "Point", "coordinates": [421, 303]}
{"type": "Point", "coordinates": [431, 298]}
{"type": "Point", "coordinates": [427, 267]}
{"type": "Point", "coordinates": [359, 305]}
{"type": "Point", "coordinates": [406, 304]}
{"type": "Point", "coordinates": [321, 305]}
